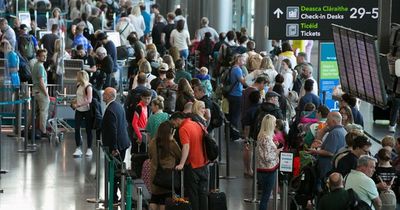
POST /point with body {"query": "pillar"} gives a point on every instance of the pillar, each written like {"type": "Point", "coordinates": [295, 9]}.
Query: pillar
{"type": "Point", "coordinates": [261, 25]}
{"type": "Point", "coordinates": [219, 13]}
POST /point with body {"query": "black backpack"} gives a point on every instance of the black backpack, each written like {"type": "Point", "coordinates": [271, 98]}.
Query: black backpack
{"type": "Point", "coordinates": [131, 102]}
{"type": "Point", "coordinates": [355, 203]}
{"type": "Point", "coordinates": [228, 53]}
{"type": "Point", "coordinates": [169, 94]}
{"type": "Point", "coordinates": [306, 184]}
{"type": "Point", "coordinates": [96, 114]}
{"type": "Point", "coordinates": [217, 116]}
{"type": "Point", "coordinates": [24, 71]}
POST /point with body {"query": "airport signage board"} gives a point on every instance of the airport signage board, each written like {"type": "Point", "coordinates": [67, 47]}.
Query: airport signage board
{"type": "Point", "coordinates": [328, 74]}
{"type": "Point", "coordinates": [312, 19]}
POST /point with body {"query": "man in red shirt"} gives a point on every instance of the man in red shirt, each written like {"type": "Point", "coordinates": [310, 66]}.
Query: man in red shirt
{"type": "Point", "coordinates": [193, 160]}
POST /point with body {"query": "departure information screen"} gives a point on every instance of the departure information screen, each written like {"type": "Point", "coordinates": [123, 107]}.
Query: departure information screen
{"type": "Point", "coordinates": [358, 62]}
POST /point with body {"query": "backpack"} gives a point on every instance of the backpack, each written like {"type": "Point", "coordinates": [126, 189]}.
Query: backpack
{"type": "Point", "coordinates": [306, 184]}
{"type": "Point", "coordinates": [217, 116]}
{"type": "Point", "coordinates": [96, 114]}
{"type": "Point", "coordinates": [26, 46]}
{"type": "Point", "coordinates": [226, 84]}
{"type": "Point", "coordinates": [388, 197]}
{"type": "Point", "coordinates": [131, 102]}
{"type": "Point", "coordinates": [228, 53]}
{"type": "Point", "coordinates": [209, 144]}
{"type": "Point", "coordinates": [355, 203]}
{"type": "Point", "coordinates": [169, 94]}
{"type": "Point", "coordinates": [24, 71]}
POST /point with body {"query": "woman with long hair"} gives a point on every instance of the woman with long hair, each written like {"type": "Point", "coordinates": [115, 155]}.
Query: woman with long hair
{"type": "Point", "coordinates": [198, 112]}
{"type": "Point", "coordinates": [287, 73]}
{"type": "Point", "coordinates": [267, 155]}
{"type": "Point", "coordinates": [180, 38]}
{"type": "Point", "coordinates": [137, 21]}
{"type": "Point", "coordinates": [158, 116]}
{"type": "Point", "coordinates": [165, 149]}
{"type": "Point", "coordinates": [82, 112]}
{"type": "Point", "coordinates": [185, 94]}
{"type": "Point", "coordinates": [347, 116]}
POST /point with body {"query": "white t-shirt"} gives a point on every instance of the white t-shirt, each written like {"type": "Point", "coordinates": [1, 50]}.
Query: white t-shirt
{"type": "Point", "coordinates": [80, 98]}
{"type": "Point", "coordinates": [202, 31]}
{"type": "Point", "coordinates": [138, 24]}
{"type": "Point", "coordinates": [179, 39]}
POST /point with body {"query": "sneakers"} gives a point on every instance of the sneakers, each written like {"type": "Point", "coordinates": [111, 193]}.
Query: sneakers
{"type": "Point", "coordinates": [77, 153]}
{"type": "Point", "coordinates": [89, 152]}
{"type": "Point", "coordinates": [392, 129]}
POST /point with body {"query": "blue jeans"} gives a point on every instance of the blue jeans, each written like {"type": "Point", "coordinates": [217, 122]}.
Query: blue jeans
{"type": "Point", "coordinates": [79, 117]}
{"type": "Point", "coordinates": [267, 181]}
{"type": "Point", "coordinates": [394, 110]}
{"type": "Point", "coordinates": [184, 54]}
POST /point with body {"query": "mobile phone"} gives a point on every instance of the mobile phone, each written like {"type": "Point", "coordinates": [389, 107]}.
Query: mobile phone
{"type": "Point", "coordinates": [280, 145]}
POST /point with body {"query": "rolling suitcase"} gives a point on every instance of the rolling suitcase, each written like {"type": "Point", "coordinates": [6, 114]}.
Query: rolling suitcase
{"type": "Point", "coordinates": [177, 203]}
{"type": "Point", "coordinates": [137, 160]}
{"type": "Point", "coordinates": [216, 199]}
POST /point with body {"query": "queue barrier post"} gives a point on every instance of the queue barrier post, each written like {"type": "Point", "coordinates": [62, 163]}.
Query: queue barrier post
{"type": "Point", "coordinates": [227, 139]}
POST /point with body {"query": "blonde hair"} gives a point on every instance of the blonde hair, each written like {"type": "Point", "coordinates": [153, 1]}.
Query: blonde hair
{"type": "Point", "coordinates": [254, 62]}
{"type": "Point", "coordinates": [6, 46]}
{"type": "Point", "coordinates": [136, 11]}
{"type": "Point", "coordinates": [57, 46]}
{"type": "Point", "coordinates": [203, 70]}
{"type": "Point", "coordinates": [159, 102]}
{"type": "Point", "coordinates": [82, 78]}
{"type": "Point", "coordinates": [388, 140]}
{"type": "Point", "coordinates": [151, 46]}
{"type": "Point", "coordinates": [197, 107]}
{"type": "Point", "coordinates": [169, 60]}
{"type": "Point", "coordinates": [145, 67]}
{"type": "Point", "coordinates": [267, 126]}
{"type": "Point", "coordinates": [266, 63]}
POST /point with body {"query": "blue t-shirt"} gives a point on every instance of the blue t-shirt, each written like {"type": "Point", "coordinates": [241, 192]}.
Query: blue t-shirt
{"type": "Point", "coordinates": [236, 75]}
{"type": "Point", "coordinates": [147, 20]}
{"type": "Point", "coordinates": [12, 60]}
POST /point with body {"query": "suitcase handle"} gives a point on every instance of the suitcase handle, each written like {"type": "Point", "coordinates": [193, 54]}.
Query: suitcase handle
{"type": "Point", "coordinates": [140, 198]}
{"type": "Point", "coordinates": [173, 183]}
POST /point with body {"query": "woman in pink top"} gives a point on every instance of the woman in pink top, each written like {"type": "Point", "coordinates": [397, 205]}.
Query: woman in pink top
{"type": "Point", "coordinates": [140, 117]}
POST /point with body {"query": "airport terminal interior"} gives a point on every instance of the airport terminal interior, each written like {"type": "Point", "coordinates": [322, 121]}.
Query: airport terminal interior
{"type": "Point", "coordinates": [44, 174]}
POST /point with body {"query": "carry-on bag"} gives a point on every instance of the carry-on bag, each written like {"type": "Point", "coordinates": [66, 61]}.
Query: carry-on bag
{"type": "Point", "coordinates": [177, 203]}
{"type": "Point", "coordinates": [216, 199]}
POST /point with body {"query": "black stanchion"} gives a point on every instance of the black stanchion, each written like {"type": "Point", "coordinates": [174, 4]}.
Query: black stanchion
{"type": "Point", "coordinates": [253, 199]}
{"type": "Point", "coordinates": [26, 128]}
{"type": "Point", "coordinates": [219, 144]}
{"type": "Point", "coordinates": [227, 139]}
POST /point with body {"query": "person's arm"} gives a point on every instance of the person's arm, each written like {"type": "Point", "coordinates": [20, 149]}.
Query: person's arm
{"type": "Point", "coordinates": [185, 154]}
{"type": "Point", "coordinates": [321, 152]}
{"type": "Point", "coordinates": [377, 203]}
{"type": "Point", "coordinates": [42, 85]}
{"type": "Point", "coordinates": [162, 38]}
{"type": "Point", "coordinates": [135, 123]}
{"type": "Point", "coordinates": [188, 38]}
{"type": "Point", "coordinates": [171, 38]}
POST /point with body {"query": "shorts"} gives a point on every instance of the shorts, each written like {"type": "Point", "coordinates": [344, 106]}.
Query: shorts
{"type": "Point", "coordinates": [160, 199]}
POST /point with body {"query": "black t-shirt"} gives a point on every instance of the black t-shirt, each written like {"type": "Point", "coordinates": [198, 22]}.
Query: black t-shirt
{"type": "Point", "coordinates": [167, 30]}
{"type": "Point", "coordinates": [48, 41]}
{"type": "Point", "coordinates": [105, 65]}
{"type": "Point", "coordinates": [156, 32]}
{"type": "Point", "coordinates": [347, 163]}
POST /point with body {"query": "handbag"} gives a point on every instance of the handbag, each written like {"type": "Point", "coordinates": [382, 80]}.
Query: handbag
{"type": "Point", "coordinates": [163, 177]}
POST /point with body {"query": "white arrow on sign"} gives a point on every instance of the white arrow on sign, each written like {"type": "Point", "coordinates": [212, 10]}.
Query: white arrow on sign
{"type": "Point", "coordinates": [278, 12]}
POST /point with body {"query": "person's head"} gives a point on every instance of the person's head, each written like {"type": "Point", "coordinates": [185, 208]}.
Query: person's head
{"type": "Point", "coordinates": [56, 12]}
{"type": "Point", "coordinates": [170, 16]}
{"type": "Point", "coordinates": [136, 11]}
{"type": "Point", "coordinates": [195, 82]}
{"type": "Point", "coordinates": [349, 100]}
{"type": "Point", "coordinates": [230, 35]}
{"type": "Point", "coordinates": [184, 87]}
{"type": "Point", "coordinates": [286, 64]}
{"type": "Point", "coordinates": [309, 107]}
{"type": "Point", "coordinates": [79, 29]}
{"type": "Point", "coordinates": [101, 53]}
{"type": "Point", "coordinates": [221, 36]}
{"type": "Point", "coordinates": [132, 37]}
{"type": "Point", "coordinates": [170, 75]}
{"type": "Point", "coordinates": [179, 64]}
{"type": "Point", "coordinates": [84, 17]}
{"type": "Point", "coordinates": [301, 57]}
{"type": "Point", "coordinates": [361, 145]}
{"type": "Point", "coordinates": [188, 107]}
{"type": "Point", "coordinates": [109, 95]}
{"type": "Point", "coordinates": [177, 118]}
{"type": "Point", "coordinates": [6, 46]}
{"type": "Point", "coordinates": [260, 83]}
{"type": "Point", "coordinates": [388, 141]}
{"type": "Point", "coordinates": [145, 97]}
{"type": "Point", "coordinates": [243, 40]}
{"type": "Point", "coordinates": [272, 97]}
{"type": "Point", "coordinates": [306, 71]}
{"type": "Point", "coordinates": [384, 155]}
{"type": "Point", "coordinates": [280, 125]}
{"type": "Point", "coordinates": [293, 97]}
{"type": "Point", "coordinates": [255, 97]}
{"type": "Point", "coordinates": [203, 71]}
{"type": "Point", "coordinates": [180, 25]}
{"type": "Point", "coordinates": [351, 135]}
{"type": "Point", "coordinates": [82, 78]}
{"type": "Point", "coordinates": [335, 181]}
{"type": "Point", "coordinates": [200, 92]}
{"type": "Point", "coordinates": [23, 29]}
{"type": "Point", "coordinates": [286, 47]}
{"type": "Point", "coordinates": [178, 11]}
{"type": "Point", "coordinates": [141, 78]}
{"type": "Point", "coordinates": [3, 24]}
{"type": "Point", "coordinates": [240, 60]}
{"type": "Point", "coordinates": [157, 104]}
{"type": "Point", "coordinates": [155, 8]}
{"type": "Point", "coordinates": [162, 70]}
{"type": "Point", "coordinates": [168, 60]}
{"type": "Point", "coordinates": [323, 111]}
{"type": "Point", "coordinates": [347, 116]}
{"type": "Point", "coordinates": [145, 67]}
{"type": "Point", "coordinates": [267, 126]}
{"type": "Point", "coordinates": [204, 22]}
{"type": "Point", "coordinates": [54, 28]}
{"type": "Point", "coordinates": [164, 135]}
{"type": "Point", "coordinates": [41, 55]}
{"type": "Point", "coordinates": [266, 63]}
{"type": "Point", "coordinates": [254, 62]}
{"type": "Point", "coordinates": [142, 6]}
{"type": "Point", "coordinates": [199, 108]}
{"type": "Point", "coordinates": [366, 164]}
{"type": "Point", "coordinates": [309, 85]}
{"type": "Point", "coordinates": [334, 119]}
{"type": "Point", "coordinates": [279, 79]}
{"type": "Point", "coordinates": [397, 146]}
{"type": "Point", "coordinates": [251, 45]}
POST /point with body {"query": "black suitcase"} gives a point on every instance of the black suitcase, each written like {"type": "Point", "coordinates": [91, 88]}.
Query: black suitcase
{"type": "Point", "coordinates": [381, 114]}
{"type": "Point", "coordinates": [137, 160]}
{"type": "Point", "coordinates": [177, 203]}
{"type": "Point", "coordinates": [216, 199]}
